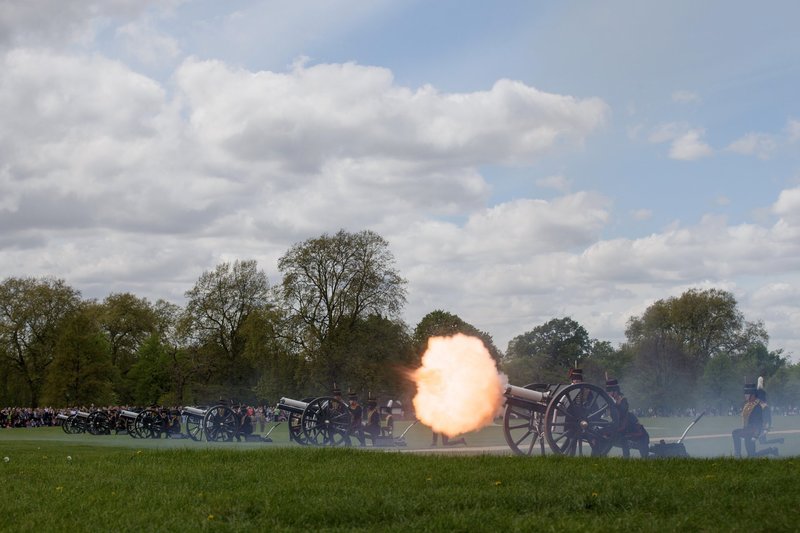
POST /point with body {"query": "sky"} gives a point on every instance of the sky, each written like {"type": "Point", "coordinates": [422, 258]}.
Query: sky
{"type": "Point", "coordinates": [524, 160]}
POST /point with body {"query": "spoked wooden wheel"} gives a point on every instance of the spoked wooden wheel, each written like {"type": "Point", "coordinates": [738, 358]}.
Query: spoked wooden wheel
{"type": "Point", "coordinates": [580, 420]}
{"type": "Point", "coordinates": [194, 427]}
{"type": "Point", "coordinates": [220, 424]}
{"type": "Point", "coordinates": [326, 422]}
{"type": "Point", "coordinates": [99, 423]}
{"type": "Point", "coordinates": [149, 424]}
{"type": "Point", "coordinates": [74, 425]}
{"type": "Point", "coordinates": [523, 424]}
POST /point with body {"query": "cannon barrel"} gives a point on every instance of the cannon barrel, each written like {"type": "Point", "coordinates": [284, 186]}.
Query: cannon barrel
{"type": "Point", "coordinates": [196, 411]}
{"type": "Point", "coordinates": [124, 413]}
{"type": "Point", "coordinates": [61, 416]}
{"type": "Point", "coordinates": [82, 414]}
{"type": "Point", "coordinates": [513, 391]}
{"type": "Point", "coordinates": [293, 406]}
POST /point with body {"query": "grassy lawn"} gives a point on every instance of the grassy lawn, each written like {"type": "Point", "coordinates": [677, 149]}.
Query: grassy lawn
{"type": "Point", "coordinates": [57, 482]}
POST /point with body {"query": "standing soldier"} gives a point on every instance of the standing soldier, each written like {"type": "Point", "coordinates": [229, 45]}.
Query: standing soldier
{"type": "Point", "coordinates": [629, 430]}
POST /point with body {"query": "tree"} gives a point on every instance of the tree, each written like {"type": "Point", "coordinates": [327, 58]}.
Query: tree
{"type": "Point", "coordinates": [128, 322]}
{"type": "Point", "coordinates": [378, 353]}
{"type": "Point", "coordinates": [443, 324]}
{"type": "Point", "coordinates": [31, 312]}
{"type": "Point", "coordinates": [81, 372]}
{"type": "Point", "coordinates": [675, 339]}
{"type": "Point", "coordinates": [150, 373]}
{"type": "Point", "coordinates": [329, 284]}
{"type": "Point", "coordinates": [271, 355]}
{"type": "Point", "coordinates": [544, 354]}
{"type": "Point", "coordinates": [218, 307]}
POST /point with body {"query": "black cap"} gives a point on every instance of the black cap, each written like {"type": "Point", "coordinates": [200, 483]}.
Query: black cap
{"type": "Point", "coordinates": [612, 385]}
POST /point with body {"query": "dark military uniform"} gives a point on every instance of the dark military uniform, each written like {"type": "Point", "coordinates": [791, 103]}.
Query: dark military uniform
{"type": "Point", "coordinates": [752, 422]}
{"type": "Point", "coordinates": [373, 425]}
{"type": "Point", "coordinates": [629, 430]}
{"type": "Point", "coordinates": [357, 413]}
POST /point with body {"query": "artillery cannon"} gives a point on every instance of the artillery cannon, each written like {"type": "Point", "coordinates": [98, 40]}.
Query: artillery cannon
{"type": "Point", "coordinates": [217, 423]}
{"type": "Point", "coordinates": [127, 420]}
{"type": "Point", "coordinates": [572, 419]}
{"type": "Point", "coordinates": [323, 421]}
{"type": "Point", "coordinates": [66, 423]}
{"type": "Point", "coordinates": [77, 422]}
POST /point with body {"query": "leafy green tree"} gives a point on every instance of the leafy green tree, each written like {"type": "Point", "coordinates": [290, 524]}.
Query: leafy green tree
{"type": "Point", "coordinates": [218, 307]}
{"type": "Point", "coordinates": [81, 372]}
{"type": "Point", "coordinates": [329, 284]}
{"type": "Point", "coordinates": [128, 322]}
{"type": "Point", "coordinates": [266, 348]}
{"type": "Point", "coordinates": [675, 339]}
{"type": "Point", "coordinates": [150, 373]}
{"type": "Point", "coordinates": [31, 312]}
{"type": "Point", "coordinates": [379, 353]}
{"type": "Point", "coordinates": [545, 354]}
{"type": "Point", "coordinates": [440, 323]}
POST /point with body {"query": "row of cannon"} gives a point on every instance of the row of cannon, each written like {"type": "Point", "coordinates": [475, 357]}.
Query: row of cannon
{"type": "Point", "coordinates": [216, 423]}
{"type": "Point", "coordinates": [574, 419]}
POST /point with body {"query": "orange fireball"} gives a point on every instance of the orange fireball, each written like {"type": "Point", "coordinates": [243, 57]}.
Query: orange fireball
{"type": "Point", "coordinates": [458, 386]}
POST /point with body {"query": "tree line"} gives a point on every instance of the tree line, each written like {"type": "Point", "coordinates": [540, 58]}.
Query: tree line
{"type": "Point", "coordinates": [334, 318]}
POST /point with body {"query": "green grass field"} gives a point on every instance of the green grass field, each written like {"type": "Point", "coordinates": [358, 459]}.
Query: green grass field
{"type": "Point", "coordinates": [58, 482]}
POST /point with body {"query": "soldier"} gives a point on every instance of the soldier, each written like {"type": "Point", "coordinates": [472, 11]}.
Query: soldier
{"type": "Point", "coordinates": [388, 429]}
{"type": "Point", "coordinates": [628, 430]}
{"type": "Point", "coordinates": [357, 413]}
{"type": "Point", "coordinates": [752, 420]}
{"type": "Point", "coordinates": [752, 424]}
{"type": "Point", "coordinates": [245, 423]}
{"type": "Point", "coordinates": [373, 425]}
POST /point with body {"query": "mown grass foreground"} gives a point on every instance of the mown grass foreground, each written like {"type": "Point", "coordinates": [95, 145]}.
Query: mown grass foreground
{"type": "Point", "coordinates": [50, 486]}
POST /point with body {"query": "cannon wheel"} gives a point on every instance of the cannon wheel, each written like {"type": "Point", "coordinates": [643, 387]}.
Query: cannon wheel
{"type": "Point", "coordinates": [148, 424]}
{"type": "Point", "coordinates": [220, 424]}
{"type": "Point", "coordinates": [580, 417]}
{"type": "Point", "coordinates": [74, 425]}
{"type": "Point", "coordinates": [295, 421]}
{"type": "Point", "coordinates": [98, 423]}
{"type": "Point", "coordinates": [326, 422]}
{"type": "Point", "coordinates": [194, 427]}
{"type": "Point", "coordinates": [523, 427]}
{"type": "Point", "coordinates": [65, 425]}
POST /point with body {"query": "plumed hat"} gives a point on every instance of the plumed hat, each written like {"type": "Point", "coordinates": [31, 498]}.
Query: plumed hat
{"type": "Point", "coordinates": [612, 385]}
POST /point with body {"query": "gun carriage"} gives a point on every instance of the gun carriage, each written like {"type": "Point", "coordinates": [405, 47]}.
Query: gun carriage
{"type": "Point", "coordinates": [573, 419]}
{"type": "Point", "coordinates": [127, 420]}
{"type": "Point", "coordinates": [216, 424]}
{"type": "Point", "coordinates": [323, 421]}
{"type": "Point", "coordinates": [95, 423]}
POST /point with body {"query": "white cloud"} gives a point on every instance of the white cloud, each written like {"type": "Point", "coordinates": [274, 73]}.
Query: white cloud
{"type": "Point", "coordinates": [690, 146]}
{"type": "Point", "coordinates": [54, 23]}
{"type": "Point", "coordinates": [642, 214]}
{"type": "Point", "coordinates": [758, 144]}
